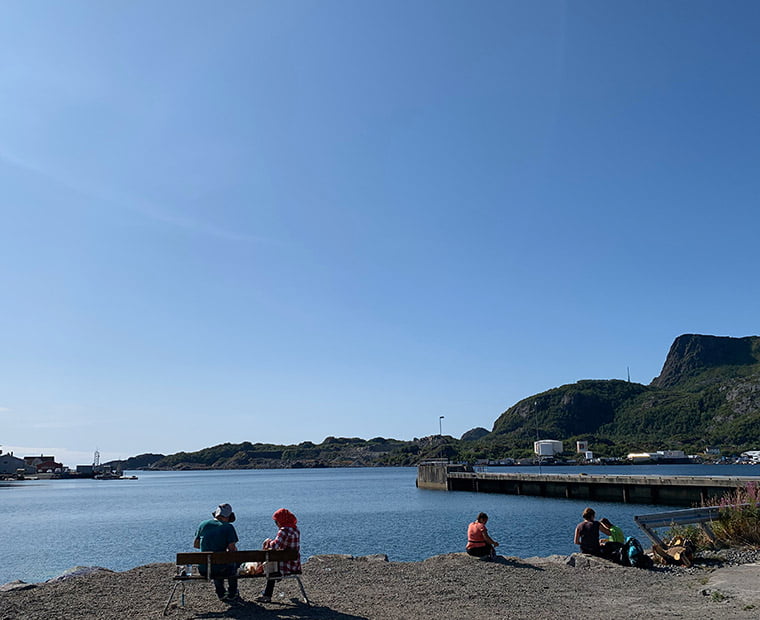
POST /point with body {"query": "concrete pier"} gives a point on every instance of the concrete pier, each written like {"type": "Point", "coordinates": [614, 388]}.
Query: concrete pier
{"type": "Point", "coordinates": [634, 489]}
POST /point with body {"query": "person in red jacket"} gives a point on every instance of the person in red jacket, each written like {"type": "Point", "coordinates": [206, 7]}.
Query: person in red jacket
{"type": "Point", "coordinates": [479, 543]}
{"type": "Point", "coordinates": [288, 537]}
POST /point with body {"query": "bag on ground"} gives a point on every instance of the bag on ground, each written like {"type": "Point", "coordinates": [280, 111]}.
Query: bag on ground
{"type": "Point", "coordinates": [635, 555]}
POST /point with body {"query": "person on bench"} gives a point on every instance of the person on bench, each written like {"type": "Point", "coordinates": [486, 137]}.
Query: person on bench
{"type": "Point", "coordinates": [288, 537]}
{"type": "Point", "coordinates": [218, 534]}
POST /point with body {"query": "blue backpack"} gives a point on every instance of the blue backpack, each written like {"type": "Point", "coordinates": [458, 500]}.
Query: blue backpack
{"type": "Point", "coordinates": [635, 554]}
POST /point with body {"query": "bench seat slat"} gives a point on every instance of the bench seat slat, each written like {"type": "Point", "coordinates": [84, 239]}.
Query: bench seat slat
{"type": "Point", "coordinates": [237, 557]}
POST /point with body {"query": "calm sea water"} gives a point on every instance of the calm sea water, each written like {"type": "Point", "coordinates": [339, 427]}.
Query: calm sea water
{"type": "Point", "coordinates": [50, 526]}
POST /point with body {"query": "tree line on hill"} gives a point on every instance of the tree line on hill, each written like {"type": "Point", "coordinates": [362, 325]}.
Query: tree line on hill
{"type": "Point", "coordinates": [708, 394]}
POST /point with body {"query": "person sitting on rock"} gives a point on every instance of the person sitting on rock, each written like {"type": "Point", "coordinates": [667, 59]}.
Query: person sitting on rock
{"type": "Point", "coordinates": [479, 543]}
{"type": "Point", "coordinates": [616, 534]}
{"type": "Point", "coordinates": [587, 533]}
{"type": "Point", "coordinates": [611, 548]}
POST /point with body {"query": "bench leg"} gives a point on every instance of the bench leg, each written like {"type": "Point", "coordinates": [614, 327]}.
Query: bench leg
{"type": "Point", "coordinates": [171, 596]}
{"type": "Point", "coordinates": [303, 591]}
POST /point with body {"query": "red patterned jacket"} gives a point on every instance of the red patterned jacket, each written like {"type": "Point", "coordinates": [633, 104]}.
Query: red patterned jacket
{"type": "Point", "coordinates": [288, 538]}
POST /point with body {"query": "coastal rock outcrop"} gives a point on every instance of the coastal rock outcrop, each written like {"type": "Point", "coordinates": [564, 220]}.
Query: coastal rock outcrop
{"type": "Point", "coordinates": [692, 354]}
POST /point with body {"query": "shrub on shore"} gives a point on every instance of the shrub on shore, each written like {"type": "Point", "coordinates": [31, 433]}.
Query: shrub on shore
{"type": "Point", "coordinates": [738, 522]}
{"type": "Point", "coordinates": [737, 525]}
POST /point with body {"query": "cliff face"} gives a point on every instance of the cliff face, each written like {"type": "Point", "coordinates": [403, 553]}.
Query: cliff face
{"type": "Point", "coordinates": [692, 354]}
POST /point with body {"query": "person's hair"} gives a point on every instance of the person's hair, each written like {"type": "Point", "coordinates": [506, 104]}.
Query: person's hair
{"type": "Point", "coordinates": [605, 521]}
{"type": "Point", "coordinates": [482, 516]}
{"type": "Point", "coordinates": [589, 514]}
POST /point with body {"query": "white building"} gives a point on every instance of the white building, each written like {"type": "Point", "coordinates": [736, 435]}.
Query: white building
{"type": "Point", "coordinates": [547, 447]}
{"type": "Point", "coordinates": [581, 446]}
{"type": "Point", "coordinates": [642, 457]}
{"type": "Point", "coordinates": [671, 454]}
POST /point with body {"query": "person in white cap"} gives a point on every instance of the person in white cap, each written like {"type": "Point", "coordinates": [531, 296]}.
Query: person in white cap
{"type": "Point", "coordinates": [218, 534]}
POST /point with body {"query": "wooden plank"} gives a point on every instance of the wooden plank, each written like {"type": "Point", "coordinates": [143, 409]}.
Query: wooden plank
{"type": "Point", "coordinates": [237, 557]}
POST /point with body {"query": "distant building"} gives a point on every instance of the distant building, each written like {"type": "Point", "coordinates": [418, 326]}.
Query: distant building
{"type": "Point", "coordinates": [753, 456]}
{"type": "Point", "coordinates": [581, 446]}
{"type": "Point", "coordinates": [43, 463]}
{"type": "Point", "coordinates": [713, 450]}
{"type": "Point", "coordinates": [10, 464]}
{"type": "Point", "coordinates": [672, 457]}
{"type": "Point", "coordinates": [547, 447]}
{"type": "Point", "coordinates": [49, 466]}
{"type": "Point", "coordinates": [642, 457]}
{"type": "Point", "coordinates": [33, 461]}
{"type": "Point", "coordinates": [661, 456]}
{"type": "Point", "coordinates": [671, 454]}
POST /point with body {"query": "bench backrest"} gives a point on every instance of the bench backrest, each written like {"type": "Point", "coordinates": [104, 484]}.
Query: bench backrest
{"type": "Point", "coordinates": [236, 557]}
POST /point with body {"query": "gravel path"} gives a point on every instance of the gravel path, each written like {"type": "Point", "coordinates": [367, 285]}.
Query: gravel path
{"type": "Point", "coordinates": [446, 586]}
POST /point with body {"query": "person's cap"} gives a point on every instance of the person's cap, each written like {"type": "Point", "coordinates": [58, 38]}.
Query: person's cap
{"type": "Point", "coordinates": [223, 510]}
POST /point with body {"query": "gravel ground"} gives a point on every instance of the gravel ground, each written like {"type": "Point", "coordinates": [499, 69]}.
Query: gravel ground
{"type": "Point", "coordinates": [722, 585]}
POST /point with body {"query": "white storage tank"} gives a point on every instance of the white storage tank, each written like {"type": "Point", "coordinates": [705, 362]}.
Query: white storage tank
{"type": "Point", "coordinates": [547, 447]}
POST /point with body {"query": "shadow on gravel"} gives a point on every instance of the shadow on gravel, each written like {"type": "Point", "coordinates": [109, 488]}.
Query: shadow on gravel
{"type": "Point", "coordinates": [514, 563]}
{"type": "Point", "coordinates": [246, 610]}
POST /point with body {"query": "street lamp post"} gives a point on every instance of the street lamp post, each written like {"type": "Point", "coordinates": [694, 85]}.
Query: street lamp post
{"type": "Point", "coordinates": [538, 448]}
{"type": "Point", "coordinates": [440, 426]}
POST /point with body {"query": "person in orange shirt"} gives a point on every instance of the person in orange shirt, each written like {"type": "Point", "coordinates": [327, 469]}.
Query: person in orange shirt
{"type": "Point", "coordinates": [479, 543]}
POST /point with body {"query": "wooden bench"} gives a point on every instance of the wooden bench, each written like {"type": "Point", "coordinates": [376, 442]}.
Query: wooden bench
{"type": "Point", "coordinates": [191, 560]}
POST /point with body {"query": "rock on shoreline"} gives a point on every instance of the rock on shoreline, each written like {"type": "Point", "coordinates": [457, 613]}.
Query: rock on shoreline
{"type": "Point", "coordinates": [446, 586]}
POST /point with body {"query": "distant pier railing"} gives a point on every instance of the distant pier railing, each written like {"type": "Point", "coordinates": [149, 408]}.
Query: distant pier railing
{"type": "Point", "coordinates": [634, 489]}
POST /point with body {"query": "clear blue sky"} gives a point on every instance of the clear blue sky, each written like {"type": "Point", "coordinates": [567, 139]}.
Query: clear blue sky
{"type": "Point", "coordinates": [278, 221]}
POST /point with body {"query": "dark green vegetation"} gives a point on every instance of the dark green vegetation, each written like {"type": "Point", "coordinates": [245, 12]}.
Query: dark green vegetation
{"type": "Point", "coordinates": [708, 394]}
{"type": "Point", "coordinates": [332, 452]}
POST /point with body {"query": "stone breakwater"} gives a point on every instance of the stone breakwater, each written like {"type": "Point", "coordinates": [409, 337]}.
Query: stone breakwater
{"type": "Point", "coordinates": [445, 586]}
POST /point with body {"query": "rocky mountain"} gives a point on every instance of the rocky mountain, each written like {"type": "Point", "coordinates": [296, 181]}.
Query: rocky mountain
{"type": "Point", "coordinates": [474, 434]}
{"type": "Point", "coordinates": [141, 461]}
{"type": "Point", "coordinates": [692, 355]}
{"type": "Point", "coordinates": [707, 393]}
